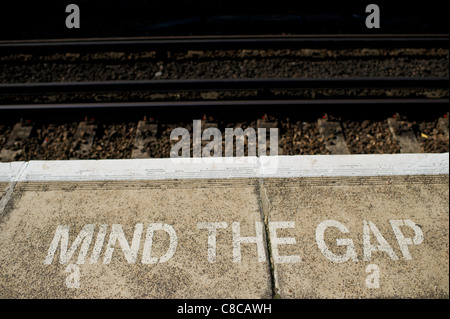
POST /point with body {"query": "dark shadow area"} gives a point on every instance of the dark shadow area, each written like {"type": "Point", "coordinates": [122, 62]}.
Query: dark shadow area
{"type": "Point", "coordinates": [124, 18]}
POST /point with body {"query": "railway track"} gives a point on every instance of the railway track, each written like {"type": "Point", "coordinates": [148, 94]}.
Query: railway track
{"type": "Point", "coordinates": [67, 120]}
{"type": "Point", "coordinates": [222, 84]}
{"type": "Point", "coordinates": [219, 92]}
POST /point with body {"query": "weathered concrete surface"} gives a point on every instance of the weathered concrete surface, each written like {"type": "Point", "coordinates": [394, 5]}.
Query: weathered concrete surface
{"type": "Point", "coordinates": [351, 201]}
{"type": "Point", "coordinates": [36, 209]}
{"type": "Point", "coordinates": [396, 217]}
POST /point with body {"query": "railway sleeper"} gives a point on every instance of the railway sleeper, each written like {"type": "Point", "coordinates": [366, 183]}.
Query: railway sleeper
{"type": "Point", "coordinates": [443, 126]}
{"type": "Point", "coordinates": [145, 134]}
{"type": "Point", "coordinates": [13, 147]}
{"type": "Point", "coordinates": [83, 139]}
{"type": "Point", "coordinates": [333, 136]}
{"type": "Point", "coordinates": [403, 132]}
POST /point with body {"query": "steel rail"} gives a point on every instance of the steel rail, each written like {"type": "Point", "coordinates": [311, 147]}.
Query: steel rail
{"type": "Point", "coordinates": [221, 84]}
{"type": "Point", "coordinates": [191, 104]}
{"type": "Point", "coordinates": [224, 42]}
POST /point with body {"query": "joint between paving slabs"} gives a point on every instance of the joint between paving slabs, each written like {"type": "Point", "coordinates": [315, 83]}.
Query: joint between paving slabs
{"type": "Point", "coordinates": [264, 206]}
{"type": "Point", "coordinates": [6, 198]}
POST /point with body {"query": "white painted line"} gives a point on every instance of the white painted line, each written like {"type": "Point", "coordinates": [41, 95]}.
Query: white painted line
{"type": "Point", "coordinates": [405, 136]}
{"type": "Point", "coordinates": [336, 145]}
{"type": "Point", "coordinates": [220, 168]}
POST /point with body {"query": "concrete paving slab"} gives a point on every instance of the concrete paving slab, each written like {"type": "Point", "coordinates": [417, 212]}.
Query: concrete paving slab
{"type": "Point", "coordinates": [360, 237]}
{"type": "Point", "coordinates": [175, 257]}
